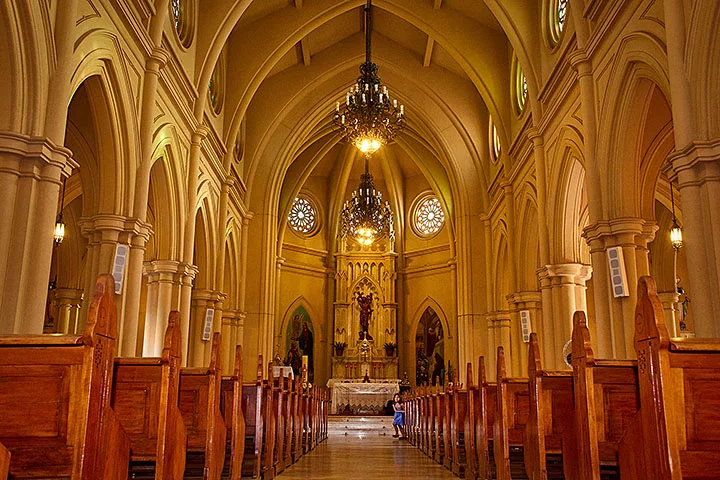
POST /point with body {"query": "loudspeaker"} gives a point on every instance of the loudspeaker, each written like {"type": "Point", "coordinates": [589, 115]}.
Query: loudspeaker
{"type": "Point", "coordinates": [209, 315]}
{"type": "Point", "coordinates": [118, 271]}
{"type": "Point", "coordinates": [618, 277]}
{"type": "Point", "coordinates": [525, 324]}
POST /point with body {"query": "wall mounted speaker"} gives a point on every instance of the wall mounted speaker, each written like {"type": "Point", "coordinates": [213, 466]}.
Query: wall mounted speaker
{"type": "Point", "coordinates": [119, 263]}
{"type": "Point", "coordinates": [618, 277]}
{"type": "Point", "coordinates": [525, 325]}
{"type": "Point", "coordinates": [207, 331]}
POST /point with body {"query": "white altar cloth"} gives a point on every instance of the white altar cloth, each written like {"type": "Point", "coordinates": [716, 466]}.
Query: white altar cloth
{"type": "Point", "coordinates": [361, 395]}
{"type": "Point", "coordinates": [284, 371]}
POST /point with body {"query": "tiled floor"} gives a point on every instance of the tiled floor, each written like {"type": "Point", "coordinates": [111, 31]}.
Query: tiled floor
{"type": "Point", "coordinates": [365, 456]}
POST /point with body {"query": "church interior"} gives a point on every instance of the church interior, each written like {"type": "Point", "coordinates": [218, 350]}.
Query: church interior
{"type": "Point", "coordinates": [531, 159]}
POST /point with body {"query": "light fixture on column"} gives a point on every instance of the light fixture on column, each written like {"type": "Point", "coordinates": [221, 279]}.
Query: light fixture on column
{"type": "Point", "coordinates": [369, 119]}
{"type": "Point", "coordinates": [675, 232]}
{"type": "Point", "coordinates": [365, 217]}
{"type": "Point", "coordinates": [59, 224]}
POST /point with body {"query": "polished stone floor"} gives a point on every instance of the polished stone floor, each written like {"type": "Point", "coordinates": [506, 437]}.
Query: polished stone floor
{"type": "Point", "coordinates": [365, 455]}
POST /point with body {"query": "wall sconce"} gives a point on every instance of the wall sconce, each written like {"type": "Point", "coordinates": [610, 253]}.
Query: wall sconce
{"type": "Point", "coordinates": [59, 234]}
{"type": "Point", "coordinates": [676, 237]}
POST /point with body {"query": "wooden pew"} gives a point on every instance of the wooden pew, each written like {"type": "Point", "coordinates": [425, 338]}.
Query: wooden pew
{"type": "Point", "coordinates": [55, 414]}
{"type": "Point", "coordinates": [511, 404]}
{"type": "Point", "coordinates": [675, 433]}
{"type": "Point", "coordinates": [447, 417]}
{"type": "Point", "coordinates": [4, 462]}
{"type": "Point", "coordinates": [253, 413]}
{"type": "Point", "coordinates": [270, 428]}
{"type": "Point", "coordinates": [471, 469]}
{"type": "Point", "coordinates": [279, 400]}
{"type": "Point", "coordinates": [145, 399]}
{"type": "Point", "coordinates": [459, 399]}
{"type": "Point", "coordinates": [232, 411]}
{"type": "Point", "coordinates": [550, 430]}
{"type": "Point", "coordinates": [296, 450]}
{"type": "Point", "coordinates": [199, 403]}
{"type": "Point", "coordinates": [438, 425]}
{"type": "Point", "coordinates": [288, 414]}
{"type": "Point", "coordinates": [606, 399]}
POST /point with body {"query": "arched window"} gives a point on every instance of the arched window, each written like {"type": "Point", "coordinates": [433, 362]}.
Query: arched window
{"type": "Point", "coordinates": [303, 217]}
{"type": "Point", "coordinates": [494, 141]}
{"type": "Point", "coordinates": [521, 88]}
{"type": "Point", "coordinates": [216, 86]}
{"type": "Point", "coordinates": [556, 17]}
{"type": "Point", "coordinates": [428, 216]}
{"type": "Point", "coordinates": [182, 15]}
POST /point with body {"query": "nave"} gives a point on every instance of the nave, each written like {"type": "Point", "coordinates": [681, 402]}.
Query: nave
{"type": "Point", "coordinates": [364, 452]}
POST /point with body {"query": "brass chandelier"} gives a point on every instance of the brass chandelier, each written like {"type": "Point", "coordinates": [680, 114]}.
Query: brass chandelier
{"type": "Point", "coordinates": [369, 119]}
{"type": "Point", "coordinates": [365, 217]}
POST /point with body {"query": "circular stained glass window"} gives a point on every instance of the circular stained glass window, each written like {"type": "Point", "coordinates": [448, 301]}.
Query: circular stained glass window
{"type": "Point", "coordinates": [429, 216]}
{"type": "Point", "coordinates": [303, 217]}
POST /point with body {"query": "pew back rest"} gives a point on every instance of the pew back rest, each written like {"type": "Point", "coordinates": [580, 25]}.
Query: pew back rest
{"type": "Point", "coordinates": [4, 462]}
{"type": "Point", "coordinates": [145, 397]}
{"type": "Point", "coordinates": [680, 405]}
{"type": "Point", "coordinates": [54, 401]}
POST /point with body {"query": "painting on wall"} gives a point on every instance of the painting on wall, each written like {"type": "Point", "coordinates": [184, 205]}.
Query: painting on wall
{"type": "Point", "coordinates": [299, 341]}
{"type": "Point", "coordinates": [429, 349]}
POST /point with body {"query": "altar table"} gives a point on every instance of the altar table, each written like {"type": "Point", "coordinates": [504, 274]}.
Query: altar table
{"type": "Point", "coordinates": [361, 396]}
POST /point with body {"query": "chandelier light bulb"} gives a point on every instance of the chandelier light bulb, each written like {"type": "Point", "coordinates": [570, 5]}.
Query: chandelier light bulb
{"type": "Point", "coordinates": [676, 237]}
{"type": "Point", "coordinates": [59, 234]}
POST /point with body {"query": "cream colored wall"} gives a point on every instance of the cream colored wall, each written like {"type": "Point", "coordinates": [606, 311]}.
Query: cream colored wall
{"type": "Point", "coordinates": [110, 81]}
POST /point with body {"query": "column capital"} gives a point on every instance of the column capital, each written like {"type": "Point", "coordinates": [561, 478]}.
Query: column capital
{"type": "Point", "coordinates": [621, 231]}
{"type": "Point", "coordinates": [576, 272]}
{"type": "Point", "coordinates": [696, 154]}
{"type": "Point", "coordinates": [158, 59]}
{"type": "Point", "coordinates": [536, 137]}
{"type": "Point", "coordinates": [110, 227]}
{"type": "Point", "coordinates": [525, 300]}
{"type": "Point", "coordinates": [581, 62]}
{"type": "Point", "coordinates": [28, 156]}
{"type": "Point", "coordinates": [68, 295]}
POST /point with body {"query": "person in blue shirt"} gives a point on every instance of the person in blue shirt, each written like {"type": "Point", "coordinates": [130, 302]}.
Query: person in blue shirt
{"type": "Point", "coordinates": [399, 417]}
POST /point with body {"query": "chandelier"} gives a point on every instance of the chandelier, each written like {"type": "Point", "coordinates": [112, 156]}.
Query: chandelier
{"type": "Point", "coordinates": [369, 119]}
{"type": "Point", "coordinates": [365, 217]}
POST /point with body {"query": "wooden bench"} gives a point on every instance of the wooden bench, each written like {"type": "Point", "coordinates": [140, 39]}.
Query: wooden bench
{"type": "Point", "coordinates": [606, 399]}
{"type": "Point", "coordinates": [270, 429]}
{"type": "Point", "coordinates": [676, 433]}
{"type": "Point", "coordinates": [549, 449]}
{"type": "Point", "coordinates": [438, 426]}
{"type": "Point", "coordinates": [55, 413]}
{"type": "Point", "coordinates": [4, 462]}
{"type": "Point", "coordinates": [232, 411]}
{"type": "Point", "coordinates": [199, 403]}
{"type": "Point", "coordinates": [458, 414]}
{"type": "Point", "coordinates": [145, 399]}
{"type": "Point", "coordinates": [511, 413]}
{"type": "Point", "coordinates": [252, 407]}
{"type": "Point", "coordinates": [279, 389]}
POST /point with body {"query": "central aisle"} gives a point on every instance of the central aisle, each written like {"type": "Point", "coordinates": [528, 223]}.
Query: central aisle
{"type": "Point", "coordinates": [361, 448]}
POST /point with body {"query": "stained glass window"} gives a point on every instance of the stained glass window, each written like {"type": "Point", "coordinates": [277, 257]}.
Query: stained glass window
{"type": "Point", "coordinates": [561, 13]}
{"type": "Point", "coordinates": [429, 216]}
{"type": "Point", "coordinates": [302, 217]}
{"type": "Point", "coordinates": [521, 88]}
{"type": "Point", "coordinates": [176, 13]}
{"type": "Point", "coordinates": [495, 141]}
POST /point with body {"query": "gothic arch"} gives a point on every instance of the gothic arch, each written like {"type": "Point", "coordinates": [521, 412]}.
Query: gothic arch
{"type": "Point", "coordinates": [429, 302]}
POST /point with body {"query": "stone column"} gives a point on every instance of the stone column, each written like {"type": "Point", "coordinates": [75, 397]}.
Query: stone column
{"type": "Point", "coordinates": [670, 305]}
{"type": "Point", "coordinates": [532, 302]}
{"type": "Point", "coordinates": [30, 175]}
{"type": "Point", "coordinates": [498, 335]}
{"type": "Point", "coordinates": [69, 301]}
{"type": "Point", "coordinates": [697, 168]}
{"type": "Point", "coordinates": [165, 279]}
{"type": "Point", "coordinates": [104, 232]}
{"type": "Point", "coordinates": [632, 235]}
{"type": "Point", "coordinates": [564, 285]}
{"type": "Point", "coordinates": [199, 349]}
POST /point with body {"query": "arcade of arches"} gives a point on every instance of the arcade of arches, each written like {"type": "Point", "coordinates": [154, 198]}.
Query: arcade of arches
{"type": "Point", "coordinates": [540, 134]}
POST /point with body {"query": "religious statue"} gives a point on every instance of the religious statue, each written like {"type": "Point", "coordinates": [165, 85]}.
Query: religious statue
{"type": "Point", "coordinates": [305, 342]}
{"type": "Point", "coordinates": [293, 358]}
{"type": "Point", "coordinates": [365, 303]}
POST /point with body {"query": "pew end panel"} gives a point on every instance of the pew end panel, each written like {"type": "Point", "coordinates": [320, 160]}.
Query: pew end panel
{"type": "Point", "coordinates": [232, 411]}
{"type": "Point", "coordinates": [55, 417]}
{"type": "Point", "coordinates": [4, 462]}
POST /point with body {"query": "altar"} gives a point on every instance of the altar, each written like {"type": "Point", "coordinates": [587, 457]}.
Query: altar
{"type": "Point", "coordinates": [361, 397]}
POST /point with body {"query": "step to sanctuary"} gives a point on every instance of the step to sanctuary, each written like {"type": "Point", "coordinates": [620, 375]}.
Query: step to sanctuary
{"type": "Point", "coordinates": [356, 425]}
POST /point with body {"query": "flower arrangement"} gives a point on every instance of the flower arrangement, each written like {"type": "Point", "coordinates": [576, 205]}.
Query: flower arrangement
{"type": "Point", "coordinates": [390, 348]}
{"type": "Point", "coordinates": [339, 348]}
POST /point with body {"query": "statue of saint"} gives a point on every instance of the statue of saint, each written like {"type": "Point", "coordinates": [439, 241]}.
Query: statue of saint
{"type": "Point", "coordinates": [365, 303]}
